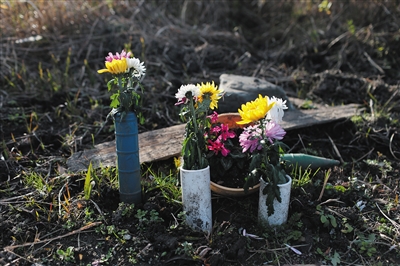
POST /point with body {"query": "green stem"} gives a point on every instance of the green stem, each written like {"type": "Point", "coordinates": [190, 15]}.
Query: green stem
{"type": "Point", "coordinates": [119, 84]}
{"type": "Point", "coordinates": [192, 110]}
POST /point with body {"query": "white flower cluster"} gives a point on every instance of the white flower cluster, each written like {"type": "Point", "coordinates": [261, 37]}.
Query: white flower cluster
{"type": "Point", "coordinates": [276, 113]}
{"type": "Point", "coordinates": [138, 67]}
{"type": "Point", "coordinates": [181, 95]}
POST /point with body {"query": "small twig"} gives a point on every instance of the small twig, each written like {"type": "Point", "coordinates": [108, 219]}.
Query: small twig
{"type": "Point", "coordinates": [276, 249]}
{"type": "Point", "coordinates": [335, 212]}
{"type": "Point", "coordinates": [371, 106]}
{"type": "Point", "coordinates": [372, 62]}
{"type": "Point", "coordinates": [390, 99]}
{"type": "Point", "coordinates": [99, 210]}
{"type": "Point", "coordinates": [301, 140]}
{"type": "Point", "coordinates": [331, 200]}
{"type": "Point", "coordinates": [9, 200]}
{"type": "Point", "coordinates": [14, 262]}
{"type": "Point", "coordinates": [336, 149]}
{"type": "Point", "coordinates": [294, 146]}
{"type": "Point", "coordinates": [396, 225]}
{"type": "Point", "coordinates": [337, 39]}
{"type": "Point", "coordinates": [202, 251]}
{"type": "Point", "coordinates": [365, 155]}
{"type": "Point", "coordinates": [390, 146]}
{"type": "Point", "coordinates": [327, 175]}
{"type": "Point", "coordinates": [144, 250]}
{"type": "Point", "coordinates": [10, 248]}
{"type": "Point", "coordinates": [59, 198]}
{"type": "Point", "coordinates": [176, 220]}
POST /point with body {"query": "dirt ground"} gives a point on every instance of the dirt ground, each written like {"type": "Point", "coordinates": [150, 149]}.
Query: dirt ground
{"type": "Point", "coordinates": [59, 106]}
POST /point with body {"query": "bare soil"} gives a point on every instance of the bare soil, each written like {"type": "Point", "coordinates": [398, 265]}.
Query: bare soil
{"type": "Point", "coordinates": [349, 56]}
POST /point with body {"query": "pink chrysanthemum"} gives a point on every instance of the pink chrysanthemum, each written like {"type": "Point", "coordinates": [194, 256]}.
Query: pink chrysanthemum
{"type": "Point", "coordinates": [273, 131]}
{"type": "Point", "coordinates": [118, 56]}
{"type": "Point", "coordinates": [250, 138]}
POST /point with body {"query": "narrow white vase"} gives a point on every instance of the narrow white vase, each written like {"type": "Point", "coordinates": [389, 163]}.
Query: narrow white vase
{"type": "Point", "coordinates": [196, 198]}
{"type": "Point", "coordinates": [281, 209]}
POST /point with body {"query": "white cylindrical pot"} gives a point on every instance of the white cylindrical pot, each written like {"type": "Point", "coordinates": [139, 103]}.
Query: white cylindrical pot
{"type": "Point", "coordinates": [281, 209]}
{"type": "Point", "coordinates": [196, 198]}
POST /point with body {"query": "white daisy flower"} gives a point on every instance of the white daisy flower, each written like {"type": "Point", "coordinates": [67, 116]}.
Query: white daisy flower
{"type": "Point", "coordinates": [184, 89]}
{"type": "Point", "coordinates": [276, 112]}
{"type": "Point", "coordinates": [138, 67]}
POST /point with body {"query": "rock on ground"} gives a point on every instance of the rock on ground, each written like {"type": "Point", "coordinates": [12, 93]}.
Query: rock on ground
{"type": "Point", "coordinates": [241, 89]}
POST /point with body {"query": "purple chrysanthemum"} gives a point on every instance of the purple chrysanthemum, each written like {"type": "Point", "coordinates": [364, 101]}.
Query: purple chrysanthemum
{"type": "Point", "coordinates": [250, 138]}
{"type": "Point", "coordinates": [273, 131]}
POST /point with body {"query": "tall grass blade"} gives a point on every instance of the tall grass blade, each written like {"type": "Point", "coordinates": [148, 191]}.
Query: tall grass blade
{"type": "Point", "coordinates": [88, 187]}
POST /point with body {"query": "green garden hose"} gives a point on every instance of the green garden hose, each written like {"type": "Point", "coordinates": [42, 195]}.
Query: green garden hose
{"type": "Point", "coordinates": [304, 160]}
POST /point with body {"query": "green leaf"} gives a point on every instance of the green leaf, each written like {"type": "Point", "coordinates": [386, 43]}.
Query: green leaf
{"type": "Point", "coordinates": [226, 163]}
{"type": "Point", "coordinates": [87, 186]}
{"type": "Point", "coordinates": [348, 228]}
{"type": "Point", "coordinates": [335, 259]}
{"type": "Point", "coordinates": [324, 220]}
{"type": "Point", "coordinates": [333, 220]}
{"type": "Point", "coordinates": [114, 100]}
{"type": "Point", "coordinates": [109, 84]}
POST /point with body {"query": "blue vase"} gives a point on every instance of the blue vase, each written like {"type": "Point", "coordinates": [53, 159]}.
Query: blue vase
{"type": "Point", "coordinates": [127, 145]}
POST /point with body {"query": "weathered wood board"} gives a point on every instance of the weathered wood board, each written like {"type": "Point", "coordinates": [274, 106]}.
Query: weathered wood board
{"type": "Point", "coordinates": [167, 142]}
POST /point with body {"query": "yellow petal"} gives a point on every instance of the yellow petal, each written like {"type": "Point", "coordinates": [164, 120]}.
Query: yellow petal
{"type": "Point", "coordinates": [104, 70]}
{"type": "Point", "coordinates": [211, 91]}
{"type": "Point", "coordinates": [116, 66]}
{"type": "Point", "coordinates": [254, 110]}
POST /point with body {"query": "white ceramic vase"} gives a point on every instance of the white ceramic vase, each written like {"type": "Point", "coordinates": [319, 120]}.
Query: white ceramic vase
{"type": "Point", "coordinates": [281, 209]}
{"type": "Point", "coordinates": [196, 198]}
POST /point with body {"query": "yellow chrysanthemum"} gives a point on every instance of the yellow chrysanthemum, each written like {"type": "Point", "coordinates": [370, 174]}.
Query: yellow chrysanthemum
{"type": "Point", "coordinates": [210, 91]}
{"type": "Point", "coordinates": [254, 110]}
{"type": "Point", "coordinates": [116, 66]}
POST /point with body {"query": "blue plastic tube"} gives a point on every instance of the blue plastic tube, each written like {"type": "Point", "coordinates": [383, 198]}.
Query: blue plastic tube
{"type": "Point", "coordinates": [127, 145]}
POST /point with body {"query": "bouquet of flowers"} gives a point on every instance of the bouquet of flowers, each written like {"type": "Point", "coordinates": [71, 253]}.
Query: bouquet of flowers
{"type": "Point", "coordinates": [261, 138]}
{"type": "Point", "coordinates": [252, 148]}
{"type": "Point", "coordinates": [227, 161]}
{"type": "Point", "coordinates": [127, 73]}
{"type": "Point", "coordinates": [197, 101]}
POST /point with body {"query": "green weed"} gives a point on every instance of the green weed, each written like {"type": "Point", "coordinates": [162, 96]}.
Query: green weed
{"type": "Point", "coordinates": [302, 177]}
{"type": "Point", "coordinates": [87, 188]}
{"type": "Point", "coordinates": [365, 243]}
{"type": "Point", "coordinates": [326, 219]}
{"type": "Point", "coordinates": [66, 255]}
{"type": "Point", "coordinates": [145, 217]}
{"type": "Point", "coordinates": [167, 184]}
{"type": "Point", "coordinates": [333, 258]}
{"type": "Point", "coordinates": [38, 182]}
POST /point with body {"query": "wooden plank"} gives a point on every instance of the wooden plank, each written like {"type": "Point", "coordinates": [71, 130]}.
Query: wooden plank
{"type": "Point", "coordinates": [167, 142]}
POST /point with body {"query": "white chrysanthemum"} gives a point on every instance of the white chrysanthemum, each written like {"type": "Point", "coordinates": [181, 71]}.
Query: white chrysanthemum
{"type": "Point", "coordinates": [276, 112]}
{"type": "Point", "coordinates": [138, 67]}
{"type": "Point", "coordinates": [184, 89]}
